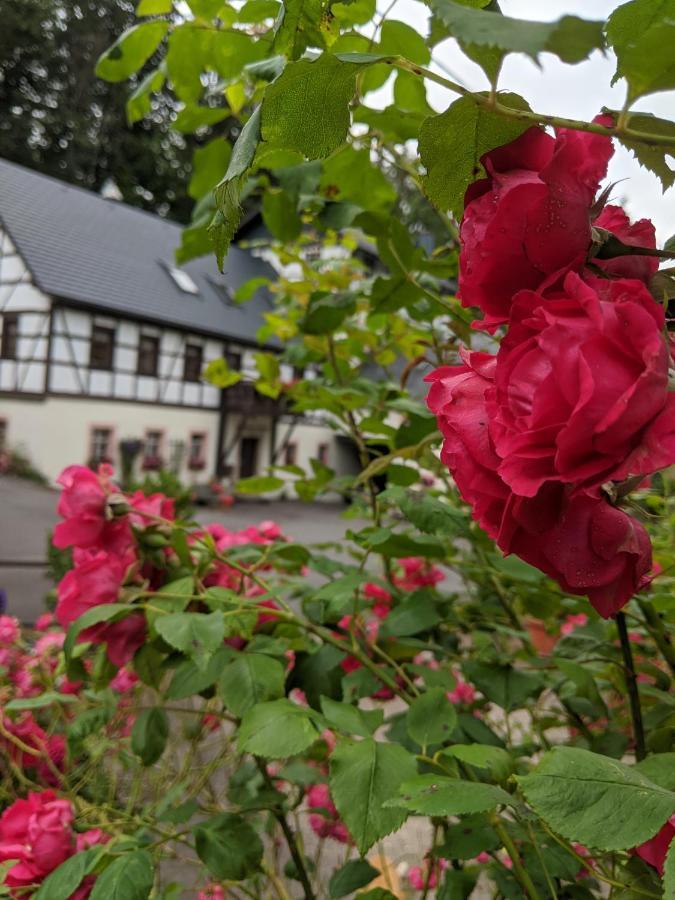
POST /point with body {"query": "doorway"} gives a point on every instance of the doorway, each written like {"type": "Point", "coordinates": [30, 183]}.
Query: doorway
{"type": "Point", "coordinates": [248, 456]}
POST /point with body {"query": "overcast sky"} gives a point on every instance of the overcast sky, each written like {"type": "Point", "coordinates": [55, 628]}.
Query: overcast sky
{"type": "Point", "coordinates": [578, 91]}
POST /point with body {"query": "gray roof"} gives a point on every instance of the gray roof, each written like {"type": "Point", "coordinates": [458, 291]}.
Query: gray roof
{"type": "Point", "coordinates": [103, 253]}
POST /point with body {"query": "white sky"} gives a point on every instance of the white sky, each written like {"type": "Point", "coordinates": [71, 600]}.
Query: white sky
{"type": "Point", "coordinates": [577, 91]}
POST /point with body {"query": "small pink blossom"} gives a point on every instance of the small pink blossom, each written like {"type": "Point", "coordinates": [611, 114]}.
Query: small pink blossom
{"type": "Point", "coordinates": [464, 692]}
{"type": "Point", "coordinates": [572, 622]}
{"type": "Point", "coordinates": [10, 630]}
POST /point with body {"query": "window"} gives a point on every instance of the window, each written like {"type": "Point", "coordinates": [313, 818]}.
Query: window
{"type": "Point", "coordinates": [102, 347]}
{"type": "Point", "coordinates": [148, 355]}
{"type": "Point", "coordinates": [196, 449]}
{"type": "Point", "coordinates": [10, 335]}
{"type": "Point", "coordinates": [322, 454]}
{"type": "Point", "coordinates": [291, 454]}
{"type": "Point", "coordinates": [233, 359]}
{"type": "Point", "coordinates": [152, 450]}
{"type": "Point", "coordinates": [192, 369]}
{"type": "Point", "coordinates": [101, 441]}
{"type": "Point", "coordinates": [182, 280]}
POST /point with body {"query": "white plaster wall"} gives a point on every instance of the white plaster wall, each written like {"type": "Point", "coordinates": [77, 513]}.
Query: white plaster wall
{"type": "Point", "coordinates": [55, 433]}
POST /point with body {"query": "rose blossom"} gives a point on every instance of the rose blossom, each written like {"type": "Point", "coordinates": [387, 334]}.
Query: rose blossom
{"type": "Point", "coordinates": [211, 892]}
{"type": "Point", "coordinates": [581, 541]}
{"type": "Point", "coordinates": [10, 630]}
{"type": "Point", "coordinates": [655, 849]}
{"type": "Point", "coordinates": [581, 387]}
{"type": "Point", "coordinates": [38, 833]}
{"type": "Point", "coordinates": [326, 822]}
{"type": "Point", "coordinates": [572, 622]}
{"type": "Point", "coordinates": [639, 234]}
{"type": "Point", "coordinates": [530, 218]}
{"type": "Point", "coordinates": [83, 505]}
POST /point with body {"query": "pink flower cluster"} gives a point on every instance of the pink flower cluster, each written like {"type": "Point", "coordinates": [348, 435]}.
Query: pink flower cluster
{"type": "Point", "coordinates": [324, 819]}
{"type": "Point", "coordinates": [544, 437]}
{"type": "Point", "coordinates": [38, 833]}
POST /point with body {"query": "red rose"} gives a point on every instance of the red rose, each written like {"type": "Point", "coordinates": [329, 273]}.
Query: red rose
{"type": "Point", "coordinates": [38, 833]}
{"type": "Point", "coordinates": [654, 850]}
{"type": "Point", "coordinates": [82, 504]}
{"type": "Point", "coordinates": [530, 219]}
{"type": "Point", "coordinates": [96, 580]}
{"type": "Point", "coordinates": [581, 387]}
{"type": "Point", "coordinates": [582, 542]}
{"type": "Point", "coordinates": [640, 234]}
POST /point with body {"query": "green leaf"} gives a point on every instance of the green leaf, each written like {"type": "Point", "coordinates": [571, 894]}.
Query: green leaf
{"type": "Point", "coordinates": [598, 801]}
{"type": "Point", "coordinates": [669, 873]}
{"type": "Point", "coordinates": [154, 7]}
{"type": "Point", "coordinates": [106, 612]}
{"type": "Point", "coordinates": [431, 795]}
{"type": "Point", "coordinates": [571, 39]}
{"type": "Point", "coordinates": [197, 635]}
{"type": "Point", "coordinates": [326, 312]}
{"type": "Point", "coordinates": [431, 718]}
{"type": "Point", "coordinates": [64, 881]}
{"type": "Point", "coordinates": [39, 702]}
{"type": "Point", "coordinates": [355, 874]}
{"type": "Point", "coordinates": [429, 514]}
{"type": "Point", "coordinates": [150, 734]}
{"type": "Point", "coordinates": [415, 614]}
{"type": "Point", "coordinates": [642, 35]}
{"type": "Point", "coordinates": [190, 679]}
{"type": "Point", "coordinates": [128, 877]}
{"type": "Point", "coordinates": [395, 544]}
{"type": "Point", "coordinates": [276, 730]}
{"type": "Point", "coordinates": [451, 146]}
{"type": "Point", "coordinates": [280, 215]}
{"type": "Point", "coordinates": [351, 175]}
{"type": "Point", "coordinates": [220, 374]}
{"type": "Point", "coordinates": [209, 164]}
{"type": "Point", "coordinates": [399, 39]}
{"type": "Point", "coordinates": [659, 768]}
{"type": "Point", "coordinates": [228, 191]}
{"type": "Point", "coordinates": [250, 679]}
{"type": "Point", "coordinates": [504, 685]}
{"type": "Point", "coordinates": [131, 50]}
{"type": "Point", "coordinates": [307, 107]}
{"type": "Point", "coordinates": [483, 756]}
{"type": "Point", "coordinates": [363, 776]}
{"type": "Point", "coordinates": [469, 837]}
{"type": "Point", "coordinates": [229, 847]}
{"type": "Point", "coordinates": [191, 118]}
{"type": "Point", "coordinates": [650, 155]}
{"type": "Point", "coordinates": [258, 484]}
{"type": "Point", "coordinates": [138, 104]}
{"type": "Point", "coordinates": [350, 719]}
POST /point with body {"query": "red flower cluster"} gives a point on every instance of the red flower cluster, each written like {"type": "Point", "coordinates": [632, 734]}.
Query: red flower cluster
{"type": "Point", "coordinates": [38, 833]}
{"type": "Point", "coordinates": [577, 396]}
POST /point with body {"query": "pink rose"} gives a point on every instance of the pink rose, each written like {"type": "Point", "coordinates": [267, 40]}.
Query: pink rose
{"type": "Point", "coordinates": [416, 573]}
{"type": "Point", "coordinates": [38, 833]}
{"type": "Point", "coordinates": [45, 621]}
{"type": "Point", "coordinates": [326, 821]}
{"type": "Point", "coordinates": [463, 692]}
{"type": "Point", "coordinates": [145, 505]}
{"type": "Point", "coordinates": [10, 630]}
{"type": "Point", "coordinates": [640, 234]}
{"type": "Point", "coordinates": [581, 387]}
{"type": "Point", "coordinates": [211, 892]}
{"type": "Point", "coordinates": [49, 750]}
{"type": "Point", "coordinates": [572, 622]}
{"type": "Point", "coordinates": [83, 505]}
{"type": "Point", "coordinates": [530, 219]}
{"type": "Point", "coordinates": [654, 850]}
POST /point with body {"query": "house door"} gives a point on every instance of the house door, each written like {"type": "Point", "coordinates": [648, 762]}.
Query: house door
{"type": "Point", "coordinates": [248, 456]}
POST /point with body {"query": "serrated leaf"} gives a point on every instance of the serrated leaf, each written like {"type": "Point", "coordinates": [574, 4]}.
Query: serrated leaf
{"type": "Point", "coordinates": [429, 514]}
{"type": "Point", "coordinates": [642, 34]}
{"type": "Point", "coordinates": [307, 107]}
{"type": "Point", "coordinates": [131, 50]}
{"type": "Point", "coordinates": [106, 612]}
{"type": "Point", "coordinates": [129, 877]}
{"type": "Point", "coordinates": [209, 164]}
{"type": "Point", "coordinates": [190, 679]}
{"type": "Point", "coordinates": [431, 718]}
{"type": "Point", "coordinates": [506, 686]}
{"type": "Point", "coordinates": [483, 756]}
{"type": "Point", "coordinates": [326, 312]}
{"type": "Point", "coordinates": [650, 155]}
{"type": "Point", "coordinates": [250, 679]}
{"type": "Point", "coordinates": [196, 635]}
{"type": "Point", "coordinates": [276, 730]}
{"type": "Point", "coordinates": [149, 735]}
{"type": "Point", "coordinates": [451, 146]}
{"type": "Point", "coordinates": [350, 719]}
{"type": "Point", "coordinates": [570, 38]}
{"type": "Point", "coordinates": [259, 484]}
{"type": "Point", "coordinates": [595, 800]}
{"type": "Point", "coordinates": [659, 768]}
{"type": "Point", "coordinates": [64, 881]}
{"type": "Point", "coordinates": [355, 874]}
{"type": "Point", "coordinates": [228, 191]}
{"type": "Point", "coordinates": [229, 847]}
{"type": "Point", "coordinates": [431, 795]}
{"type": "Point", "coordinates": [220, 374]}
{"type": "Point", "coordinates": [363, 776]}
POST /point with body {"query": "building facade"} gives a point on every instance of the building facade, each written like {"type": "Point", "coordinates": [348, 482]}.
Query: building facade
{"type": "Point", "coordinates": [103, 341]}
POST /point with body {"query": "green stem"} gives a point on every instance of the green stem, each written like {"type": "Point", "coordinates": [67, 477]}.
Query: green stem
{"type": "Point", "coordinates": [519, 870]}
{"type": "Point", "coordinates": [658, 631]}
{"type": "Point", "coordinates": [632, 687]}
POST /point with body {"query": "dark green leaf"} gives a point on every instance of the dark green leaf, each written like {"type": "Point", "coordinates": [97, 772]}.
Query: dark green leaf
{"type": "Point", "coordinates": [326, 312]}
{"type": "Point", "coordinates": [250, 679]}
{"type": "Point", "coordinates": [229, 847]}
{"type": "Point", "coordinates": [355, 874]}
{"type": "Point", "coordinates": [149, 735]}
{"type": "Point", "coordinates": [64, 881]}
{"type": "Point", "coordinates": [503, 685]}
{"type": "Point", "coordinates": [431, 718]}
{"type": "Point", "coordinates": [209, 164]}
{"type": "Point", "coordinates": [451, 146]}
{"type": "Point", "coordinates": [598, 801]}
{"type": "Point", "coordinates": [131, 50]}
{"type": "Point", "coordinates": [415, 614]}
{"type": "Point", "coordinates": [659, 768]}
{"type": "Point", "coordinates": [129, 877]}
{"type": "Point", "coordinates": [197, 635]}
{"type": "Point", "coordinates": [431, 795]}
{"type": "Point", "coordinates": [350, 719]}
{"type": "Point", "coordinates": [363, 776]}
{"type": "Point", "coordinates": [280, 215]}
{"type": "Point", "coordinates": [190, 679]}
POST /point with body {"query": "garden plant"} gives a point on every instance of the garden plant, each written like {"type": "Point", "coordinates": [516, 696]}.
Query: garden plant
{"type": "Point", "coordinates": [472, 689]}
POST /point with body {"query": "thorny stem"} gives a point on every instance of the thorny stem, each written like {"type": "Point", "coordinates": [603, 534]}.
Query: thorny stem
{"type": "Point", "coordinates": [290, 838]}
{"type": "Point", "coordinates": [632, 687]}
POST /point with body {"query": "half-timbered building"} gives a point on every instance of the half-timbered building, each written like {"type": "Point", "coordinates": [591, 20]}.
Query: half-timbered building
{"type": "Point", "coordinates": [103, 339]}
